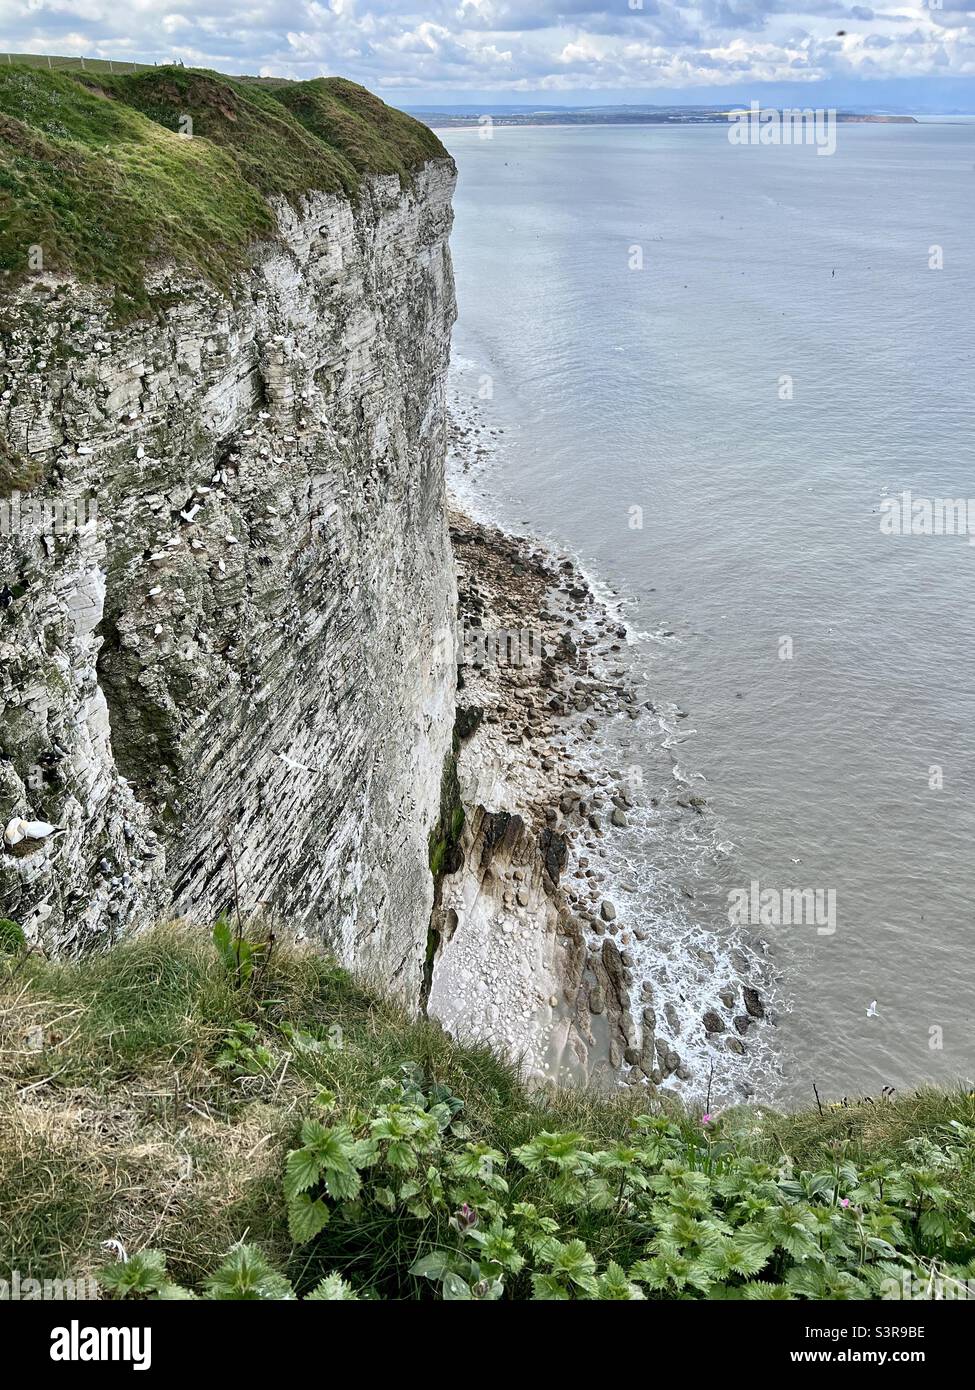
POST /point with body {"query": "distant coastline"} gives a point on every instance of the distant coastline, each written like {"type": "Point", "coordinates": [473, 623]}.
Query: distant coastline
{"type": "Point", "coordinates": [443, 118]}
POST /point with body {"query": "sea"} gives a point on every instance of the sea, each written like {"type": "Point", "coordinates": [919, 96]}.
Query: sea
{"type": "Point", "coordinates": [737, 384]}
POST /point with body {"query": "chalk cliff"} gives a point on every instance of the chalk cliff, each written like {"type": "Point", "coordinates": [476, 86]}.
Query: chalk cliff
{"type": "Point", "coordinates": [226, 591]}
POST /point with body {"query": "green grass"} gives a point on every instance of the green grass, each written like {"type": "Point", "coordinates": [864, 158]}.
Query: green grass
{"type": "Point", "coordinates": [864, 1129]}
{"type": "Point", "coordinates": [17, 474]}
{"type": "Point", "coordinates": [145, 1098]}
{"type": "Point", "coordinates": [95, 171]}
{"type": "Point", "coordinates": [48, 61]}
{"type": "Point", "coordinates": [371, 136]}
{"type": "Point", "coordinates": [95, 1124]}
{"type": "Point", "coordinates": [120, 1118]}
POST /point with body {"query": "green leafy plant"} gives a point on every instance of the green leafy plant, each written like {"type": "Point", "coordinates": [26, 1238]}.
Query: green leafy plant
{"type": "Point", "coordinates": [12, 938]}
{"type": "Point", "coordinates": [143, 1275]}
{"type": "Point", "coordinates": [670, 1213]}
{"type": "Point", "coordinates": [675, 1214]}
{"type": "Point", "coordinates": [332, 1289]}
{"type": "Point", "coordinates": [240, 956]}
{"type": "Point", "coordinates": [244, 1275]}
{"type": "Point", "coordinates": [446, 1179]}
{"type": "Point", "coordinates": [241, 1053]}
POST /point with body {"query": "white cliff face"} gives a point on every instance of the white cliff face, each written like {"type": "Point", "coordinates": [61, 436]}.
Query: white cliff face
{"type": "Point", "coordinates": [246, 657]}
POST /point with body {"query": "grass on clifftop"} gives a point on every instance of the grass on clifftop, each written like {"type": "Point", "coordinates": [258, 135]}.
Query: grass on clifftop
{"type": "Point", "coordinates": [95, 172]}
{"type": "Point", "coordinates": [151, 1097]}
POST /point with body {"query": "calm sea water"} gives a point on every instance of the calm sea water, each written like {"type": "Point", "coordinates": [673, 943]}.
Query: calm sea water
{"type": "Point", "coordinates": [663, 389]}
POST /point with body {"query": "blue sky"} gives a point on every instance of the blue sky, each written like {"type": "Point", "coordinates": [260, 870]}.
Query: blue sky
{"type": "Point", "coordinates": [562, 52]}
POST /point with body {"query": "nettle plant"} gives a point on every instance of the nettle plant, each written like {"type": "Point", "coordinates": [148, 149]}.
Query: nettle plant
{"type": "Point", "coordinates": [671, 1213]}
{"type": "Point", "coordinates": [245, 1275]}
{"type": "Point", "coordinates": [243, 1054]}
{"type": "Point", "coordinates": [403, 1200]}
{"type": "Point", "coordinates": [391, 1143]}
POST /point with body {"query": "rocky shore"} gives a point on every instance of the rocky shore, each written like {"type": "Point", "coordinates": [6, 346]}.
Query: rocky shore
{"type": "Point", "coordinates": [534, 952]}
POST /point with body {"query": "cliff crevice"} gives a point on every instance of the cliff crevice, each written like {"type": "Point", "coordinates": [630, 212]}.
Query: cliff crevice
{"type": "Point", "coordinates": [228, 612]}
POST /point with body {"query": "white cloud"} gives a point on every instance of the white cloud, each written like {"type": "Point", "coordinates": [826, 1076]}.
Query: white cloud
{"type": "Point", "coordinates": [449, 47]}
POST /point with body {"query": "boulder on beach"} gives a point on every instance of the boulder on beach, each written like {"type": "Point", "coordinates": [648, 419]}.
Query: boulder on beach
{"type": "Point", "coordinates": [753, 1002]}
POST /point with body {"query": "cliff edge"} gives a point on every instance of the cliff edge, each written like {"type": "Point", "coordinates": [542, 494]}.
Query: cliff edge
{"type": "Point", "coordinates": [226, 590]}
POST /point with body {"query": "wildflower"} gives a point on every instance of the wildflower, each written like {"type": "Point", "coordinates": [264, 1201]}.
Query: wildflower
{"type": "Point", "coordinates": [844, 1201]}
{"type": "Point", "coordinates": [465, 1218]}
{"type": "Point", "coordinates": [705, 1119]}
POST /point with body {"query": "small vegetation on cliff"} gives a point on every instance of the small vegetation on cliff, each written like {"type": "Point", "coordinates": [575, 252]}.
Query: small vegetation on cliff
{"type": "Point", "coordinates": [17, 474]}
{"type": "Point", "coordinates": [12, 939]}
{"type": "Point", "coordinates": [445, 835]}
{"type": "Point", "coordinates": [295, 1134]}
{"type": "Point", "coordinates": [103, 176]}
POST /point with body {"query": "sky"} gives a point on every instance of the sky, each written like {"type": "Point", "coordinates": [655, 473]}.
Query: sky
{"type": "Point", "coordinates": [918, 56]}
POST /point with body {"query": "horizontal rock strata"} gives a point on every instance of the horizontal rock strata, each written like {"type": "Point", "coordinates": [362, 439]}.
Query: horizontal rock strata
{"type": "Point", "coordinates": [232, 649]}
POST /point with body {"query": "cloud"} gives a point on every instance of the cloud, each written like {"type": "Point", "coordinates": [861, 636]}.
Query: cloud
{"type": "Point", "coordinates": [445, 48]}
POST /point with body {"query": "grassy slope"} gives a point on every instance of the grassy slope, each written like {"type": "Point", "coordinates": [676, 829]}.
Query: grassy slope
{"type": "Point", "coordinates": [93, 1124]}
{"type": "Point", "coordinates": [94, 171]}
{"type": "Point", "coordinates": [94, 65]}
{"type": "Point", "coordinates": [109, 1086]}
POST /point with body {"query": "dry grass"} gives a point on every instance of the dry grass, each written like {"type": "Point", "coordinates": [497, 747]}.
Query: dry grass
{"type": "Point", "coordinates": [119, 1123]}
{"type": "Point", "coordinates": [867, 1128]}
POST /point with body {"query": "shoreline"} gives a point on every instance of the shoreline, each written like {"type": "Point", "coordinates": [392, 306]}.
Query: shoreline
{"type": "Point", "coordinates": [538, 953]}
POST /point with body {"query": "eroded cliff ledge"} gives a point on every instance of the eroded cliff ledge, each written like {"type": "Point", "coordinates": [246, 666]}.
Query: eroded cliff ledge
{"type": "Point", "coordinates": [235, 644]}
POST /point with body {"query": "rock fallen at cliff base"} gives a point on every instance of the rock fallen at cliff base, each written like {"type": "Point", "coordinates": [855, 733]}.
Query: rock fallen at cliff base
{"type": "Point", "coordinates": [753, 1002]}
